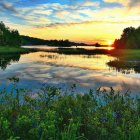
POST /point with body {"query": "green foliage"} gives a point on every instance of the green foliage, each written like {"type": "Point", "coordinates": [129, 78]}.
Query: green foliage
{"type": "Point", "coordinates": [130, 39]}
{"type": "Point", "coordinates": [9, 37]}
{"type": "Point", "coordinates": [125, 66]}
{"type": "Point", "coordinates": [54, 115]}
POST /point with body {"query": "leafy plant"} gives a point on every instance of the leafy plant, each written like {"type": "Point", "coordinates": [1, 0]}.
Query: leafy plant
{"type": "Point", "coordinates": [54, 115]}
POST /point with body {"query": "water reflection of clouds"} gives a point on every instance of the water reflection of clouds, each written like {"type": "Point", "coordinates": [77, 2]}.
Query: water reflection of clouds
{"type": "Point", "coordinates": [94, 62]}
{"type": "Point", "coordinates": [84, 78]}
{"type": "Point", "coordinates": [34, 71]}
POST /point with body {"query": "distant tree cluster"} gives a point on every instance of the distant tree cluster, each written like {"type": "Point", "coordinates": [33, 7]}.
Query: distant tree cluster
{"type": "Point", "coordinates": [36, 41]}
{"type": "Point", "coordinates": [9, 37]}
{"type": "Point", "coordinates": [97, 45]}
{"type": "Point", "coordinates": [130, 39]}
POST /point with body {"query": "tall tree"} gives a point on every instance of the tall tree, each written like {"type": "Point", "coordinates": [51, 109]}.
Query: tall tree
{"type": "Point", "coordinates": [130, 39]}
{"type": "Point", "coordinates": [9, 37]}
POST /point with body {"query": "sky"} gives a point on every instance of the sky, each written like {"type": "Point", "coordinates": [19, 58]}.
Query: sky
{"type": "Point", "coordinates": [87, 21]}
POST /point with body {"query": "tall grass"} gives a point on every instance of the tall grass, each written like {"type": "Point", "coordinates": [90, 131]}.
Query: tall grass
{"type": "Point", "coordinates": [54, 115]}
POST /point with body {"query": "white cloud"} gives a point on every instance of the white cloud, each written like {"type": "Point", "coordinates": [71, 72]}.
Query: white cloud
{"type": "Point", "coordinates": [123, 2]}
{"type": "Point", "coordinates": [89, 3]}
{"type": "Point", "coordinates": [85, 18]}
{"type": "Point", "coordinates": [128, 3]}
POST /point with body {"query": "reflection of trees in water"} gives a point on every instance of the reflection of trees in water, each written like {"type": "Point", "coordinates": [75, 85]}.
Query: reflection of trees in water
{"type": "Point", "coordinates": [137, 68]}
{"type": "Point", "coordinates": [125, 67]}
{"type": "Point", "coordinates": [6, 60]}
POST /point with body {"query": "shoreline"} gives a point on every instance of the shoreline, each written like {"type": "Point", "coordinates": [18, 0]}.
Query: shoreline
{"type": "Point", "coordinates": [121, 54]}
{"type": "Point", "coordinates": [14, 50]}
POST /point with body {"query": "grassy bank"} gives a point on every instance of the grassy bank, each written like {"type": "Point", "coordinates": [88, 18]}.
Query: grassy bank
{"type": "Point", "coordinates": [82, 51]}
{"type": "Point", "coordinates": [126, 61]}
{"type": "Point", "coordinates": [54, 115]}
{"type": "Point", "coordinates": [123, 54]}
{"type": "Point", "coordinates": [127, 54]}
{"type": "Point", "coordinates": [14, 50]}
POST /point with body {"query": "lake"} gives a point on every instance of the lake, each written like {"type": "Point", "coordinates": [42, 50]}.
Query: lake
{"type": "Point", "coordinates": [86, 71]}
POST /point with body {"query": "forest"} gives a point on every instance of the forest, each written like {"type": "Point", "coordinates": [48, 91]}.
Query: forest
{"type": "Point", "coordinates": [9, 37]}
{"type": "Point", "coordinates": [36, 41]}
{"type": "Point", "coordinates": [130, 39]}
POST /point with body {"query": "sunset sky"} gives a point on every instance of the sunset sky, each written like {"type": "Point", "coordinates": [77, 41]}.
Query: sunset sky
{"type": "Point", "coordinates": [87, 21]}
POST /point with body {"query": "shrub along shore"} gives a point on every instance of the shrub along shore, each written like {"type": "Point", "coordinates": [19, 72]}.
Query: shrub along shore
{"type": "Point", "coordinates": [52, 114]}
{"type": "Point", "coordinates": [14, 50]}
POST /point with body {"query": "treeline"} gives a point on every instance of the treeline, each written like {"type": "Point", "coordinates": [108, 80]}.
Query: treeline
{"type": "Point", "coordinates": [130, 39]}
{"type": "Point", "coordinates": [36, 41]}
{"type": "Point", "coordinates": [9, 37]}
{"type": "Point", "coordinates": [62, 43]}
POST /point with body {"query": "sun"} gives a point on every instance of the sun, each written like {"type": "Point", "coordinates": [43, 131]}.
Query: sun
{"type": "Point", "coordinates": [109, 42]}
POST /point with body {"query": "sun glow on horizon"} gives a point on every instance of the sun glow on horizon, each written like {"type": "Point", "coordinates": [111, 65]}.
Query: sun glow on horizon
{"type": "Point", "coordinates": [109, 42]}
{"type": "Point", "coordinates": [99, 21]}
{"type": "Point", "coordinates": [110, 48]}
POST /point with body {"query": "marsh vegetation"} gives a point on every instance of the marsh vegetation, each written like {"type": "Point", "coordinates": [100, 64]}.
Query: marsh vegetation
{"type": "Point", "coordinates": [57, 115]}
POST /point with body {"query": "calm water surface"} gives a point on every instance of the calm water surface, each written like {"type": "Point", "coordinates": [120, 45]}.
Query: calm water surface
{"type": "Point", "coordinates": [61, 70]}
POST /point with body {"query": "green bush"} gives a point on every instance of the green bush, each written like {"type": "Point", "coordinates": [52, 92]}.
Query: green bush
{"type": "Point", "coordinates": [54, 115]}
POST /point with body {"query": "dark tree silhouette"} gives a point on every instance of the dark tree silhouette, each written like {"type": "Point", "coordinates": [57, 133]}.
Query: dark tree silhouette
{"type": "Point", "coordinates": [26, 40]}
{"type": "Point", "coordinates": [130, 39]}
{"type": "Point", "coordinates": [9, 37]}
{"type": "Point", "coordinates": [97, 45]}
